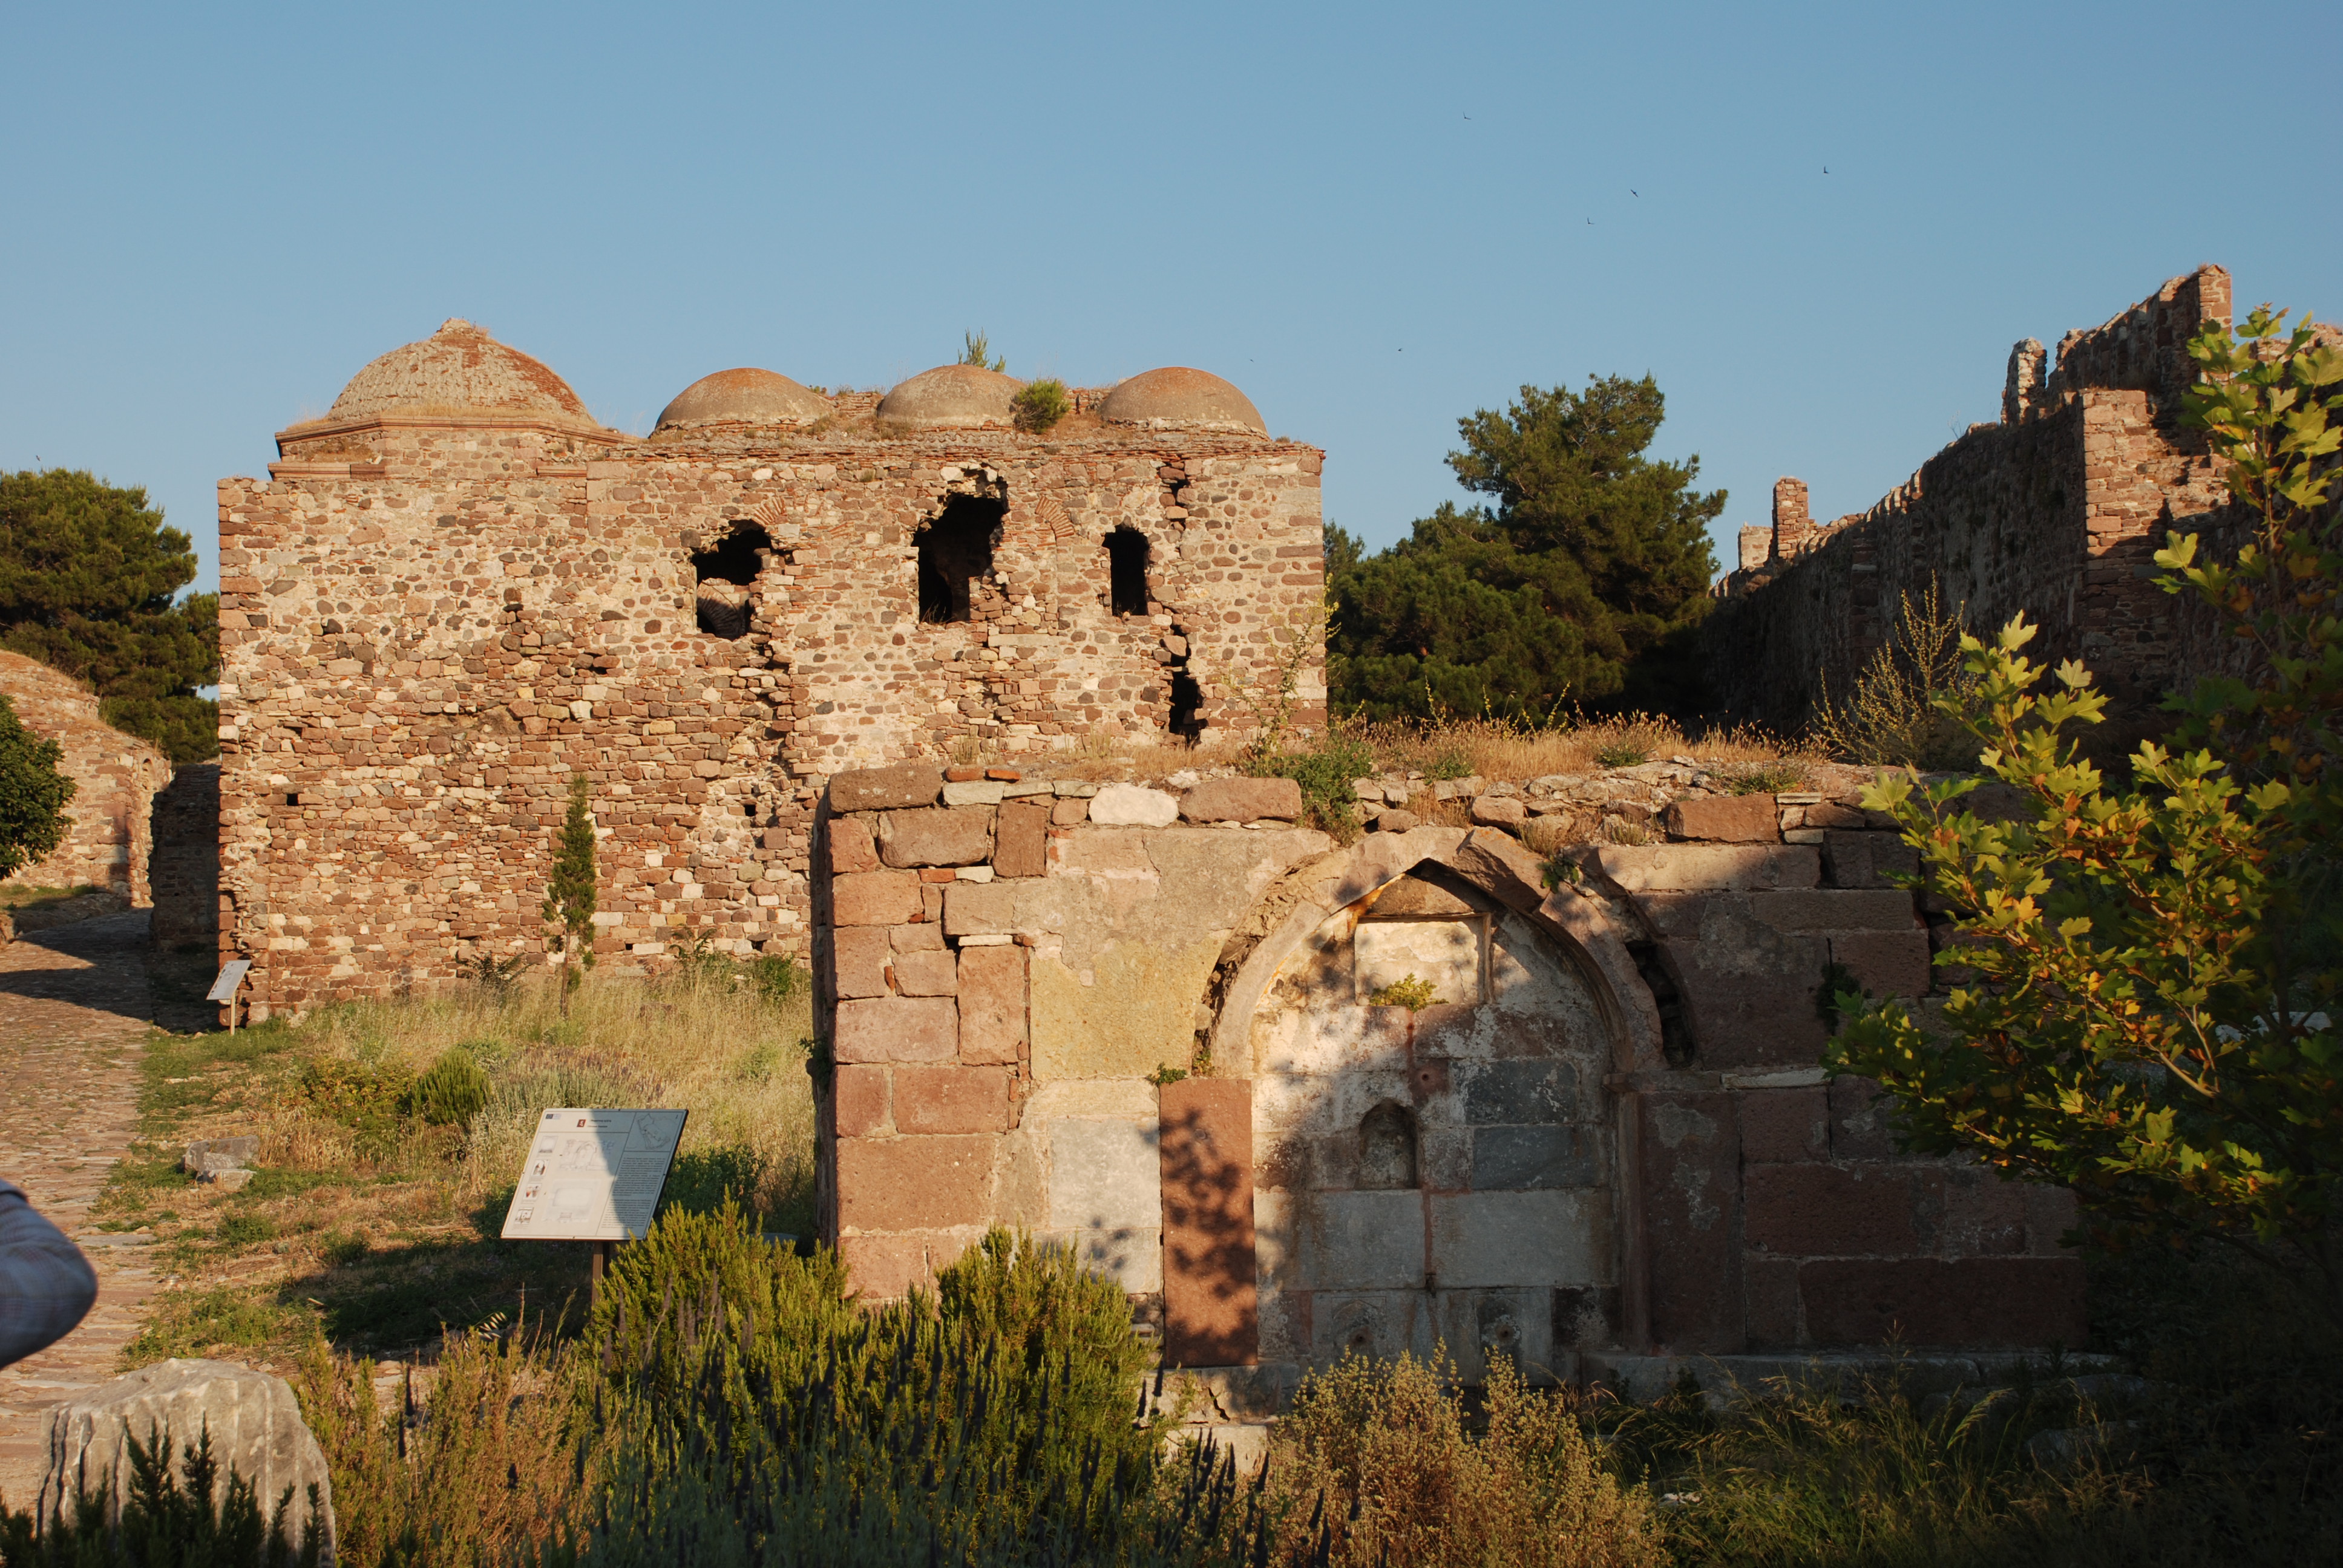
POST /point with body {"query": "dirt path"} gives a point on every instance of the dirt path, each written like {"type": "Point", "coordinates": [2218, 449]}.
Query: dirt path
{"type": "Point", "coordinates": [74, 1009]}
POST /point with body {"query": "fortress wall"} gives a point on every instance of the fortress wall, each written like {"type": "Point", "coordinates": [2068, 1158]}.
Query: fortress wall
{"type": "Point", "coordinates": [2055, 513]}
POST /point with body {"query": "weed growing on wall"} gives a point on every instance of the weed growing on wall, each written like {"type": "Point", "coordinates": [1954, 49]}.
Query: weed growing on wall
{"type": "Point", "coordinates": [570, 897]}
{"type": "Point", "coordinates": [1040, 405]}
{"type": "Point", "coordinates": [1893, 716]}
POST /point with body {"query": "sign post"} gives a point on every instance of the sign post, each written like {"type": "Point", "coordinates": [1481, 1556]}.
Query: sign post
{"type": "Point", "coordinates": [230, 982]}
{"type": "Point", "coordinates": [594, 1175]}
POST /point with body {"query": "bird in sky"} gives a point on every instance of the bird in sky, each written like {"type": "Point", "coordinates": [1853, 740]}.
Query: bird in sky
{"type": "Point", "coordinates": [1633, 192]}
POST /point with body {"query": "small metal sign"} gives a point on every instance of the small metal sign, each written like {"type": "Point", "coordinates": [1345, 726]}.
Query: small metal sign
{"type": "Point", "coordinates": [231, 980]}
{"type": "Point", "coordinates": [593, 1175]}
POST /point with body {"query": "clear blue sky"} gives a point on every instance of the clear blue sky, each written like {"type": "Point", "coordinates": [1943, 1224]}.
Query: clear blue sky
{"type": "Point", "coordinates": [1372, 218]}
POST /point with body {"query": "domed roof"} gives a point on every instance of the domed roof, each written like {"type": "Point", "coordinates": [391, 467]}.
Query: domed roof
{"type": "Point", "coordinates": [1175, 394]}
{"type": "Point", "coordinates": [745, 396]}
{"type": "Point", "coordinates": [459, 368]}
{"type": "Point", "coordinates": [952, 396]}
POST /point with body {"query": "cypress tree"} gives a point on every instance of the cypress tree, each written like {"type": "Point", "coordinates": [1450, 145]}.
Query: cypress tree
{"type": "Point", "coordinates": [570, 896]}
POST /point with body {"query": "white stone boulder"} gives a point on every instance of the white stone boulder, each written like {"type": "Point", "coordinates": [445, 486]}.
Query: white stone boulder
{"type": "Point", "coordinates": [1133, 806]}
{"type": "Point", "coordinates": [256, 1429]}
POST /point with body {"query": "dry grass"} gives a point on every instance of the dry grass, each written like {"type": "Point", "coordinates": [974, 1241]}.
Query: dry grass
{"type": "Point", "coordinates": [1384, 1444]}
{"type": "Point", "coordinates": [1492, 748]}
{"type": "Point", "coordinates": [375, 1228]}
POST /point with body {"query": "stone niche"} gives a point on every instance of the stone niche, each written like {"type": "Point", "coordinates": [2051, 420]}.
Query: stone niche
{"type": "Point", "coordinates": [1437, 1176]}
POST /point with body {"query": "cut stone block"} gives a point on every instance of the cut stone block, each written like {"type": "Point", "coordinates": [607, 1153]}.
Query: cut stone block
{"type": "Point", "coordinates": [1837, 909]}
{"type": "Point", "coordinates": [1855, 859]}
{"type": "Point", "coordinates": [1020, 841]}
{"type": "Point", "coordinates": [1499, 812]}
{"type": "Point", "coordinates": [915, 1184]}
{"type": "Point", "coordinates": [1838, 1211]}
{"type": "Point", "coordinates": [885, 789]}
{"type": "Point", "coordinates": [1692, 868]}
{"type": "Point", "coordinates": [1132, 806]}
{"type": "Point", "coordinates": [992, 990]}
{"type": "Point", "coordinates": [206, 1155]}
{"type": "Point", "coordinates": [1105, 1177]}
{"type": "Point", "coordinates": [851, 847]}
{"type": "Point", "coordinates": [1531, 1159]}
{"type": "Point", "coordinates": [897, 1029]}
{"type": "Point", "coordinates": [1485, 1239]}
{"type": "Point", "coordinates": [1885, 963]}
{"type": "Point", "coordinates": [1243, 800]}
{"type": "Point", "coordinates": [928, 971]}
{"type": "Point", "coordinates": [861, 1100]}
{"type": "Point", "coordinates": [973, 792]}
{"type": "Point", "coordinates": [1725, 818]}
{"type": "Point", "coordinates": [979, 909]}
{"type": "Point", "coordinates": [1209, 1309]}
{"type": "Point", "coordinates": [1691, 1156]}
{"type": "Point", "coordinates": [1341, 1240]}
{"type": "Point", "coordinates": [951, 1100]}
{"type": "Point", "coordinates": [1783, 1126]}
{"type": "Point", "coordinates": [1974, 1302]}
{"type": "Point", "coordinates": [1533, 1090]}
{"type": "Point", "coordinates": [935, 837]}
{"type": "Point", "coordinates": [860, 955]}
{"type": "Point", "coordinates": [874, 897]}
{"type": "Point", "coordinates": [254, 1420]}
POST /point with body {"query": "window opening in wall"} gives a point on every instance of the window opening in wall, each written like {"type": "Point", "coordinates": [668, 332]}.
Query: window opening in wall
{"type": "Point", "coordinates": [1387, 1148]}
{"type": "Point", "coordinates": [956, 555]}
{"type": "Point", "coordinates": [1126, 556]}
{"type": "Point", "coordinates": [727, 570]}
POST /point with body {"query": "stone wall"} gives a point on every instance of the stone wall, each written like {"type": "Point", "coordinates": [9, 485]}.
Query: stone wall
{"type": "Point", "coordinates": [114, 775]}
{"type": "Point", "coordinates": [428, 626]}
{"type": "Point", "coordinates": [185, 866]}
{"type": "Point", "coordinates": [1604, 1127]}
{"type": "Point", "coordinates": [2054, 512]}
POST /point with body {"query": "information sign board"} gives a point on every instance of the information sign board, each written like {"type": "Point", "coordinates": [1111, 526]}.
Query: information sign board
{"type": "Point", "coordinates": [231, 977]}
{"type": "Point", "coordinates": [593, 1175]}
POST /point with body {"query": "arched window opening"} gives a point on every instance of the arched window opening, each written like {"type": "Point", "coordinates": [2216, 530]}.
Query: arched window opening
{"type": "Point", "coordinates": [955, 550]}
{"type": "Point", "coordinates": [727, 570]}
{"type": "Point", "coordinates": [1387, 1148]}
{"type": "Point", "coordinates": [1126, 556]}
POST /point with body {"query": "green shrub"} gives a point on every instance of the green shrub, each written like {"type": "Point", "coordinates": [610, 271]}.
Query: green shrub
{"type": "Point", "coordinates": [1453, 762]}
{"type": "Point", "coordinates": [1041, 405]}
{"type": "Point", "coordinates": [762, 1418]}
{"type": "Point", "coordinates": [246, 1229]}
{"type": "Point", "coordinates": [1621, 754]}
{"type": "Point", "coordinates": [1324, 775]}
{"type": "Point", "coordinates": [362, 1097]}
{"type": "Point", "coordinates": [778, 978]}
{"type": "Point", "coordinates": [702, 1181]}
{"type": "Point", "coordinates": [1775, 777]}
{"type": "Point", "coordinates": [451, 1092]}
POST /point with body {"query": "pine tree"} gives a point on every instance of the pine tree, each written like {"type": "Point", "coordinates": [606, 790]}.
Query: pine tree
{"type": "Point", "coordinates": [33, 794]}
{"type": "Point", "coordinates": [88, 579]}
{"type": "Point", "coordinates": [1581, 585]}
{"type": "Point", "coordinates": [570, 896]}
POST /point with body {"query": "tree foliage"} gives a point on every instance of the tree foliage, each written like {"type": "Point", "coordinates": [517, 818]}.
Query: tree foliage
{"type": "Point", "coordinates": [570, 895]}
{"type": "Point", "coordinates": [2152, 1017]}
{"type": "Point", "coordinates": [33, 794]}
{"type": "Point", "coordinates": [1577, 584]}
{"type": "Point", "coordinates": [89, 575]}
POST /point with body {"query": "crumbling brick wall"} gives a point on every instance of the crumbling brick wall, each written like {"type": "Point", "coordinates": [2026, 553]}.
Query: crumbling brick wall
{"type": "Point", "coordinates": [430, 624]}
{"type": "Point", "coordinates": [2055, 512]}
{"type": "Point", "coordinates": [114, 775]}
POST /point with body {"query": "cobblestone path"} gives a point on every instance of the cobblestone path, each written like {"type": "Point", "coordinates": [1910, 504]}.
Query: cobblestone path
{"type": "Point", "coordinates": [74, 1009]}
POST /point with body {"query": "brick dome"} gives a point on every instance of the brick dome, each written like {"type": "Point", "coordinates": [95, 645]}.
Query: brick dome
{"type": "Point", "coordinates": [458, 369]}
{"type": "Point", "coordinates": [1176, 395]}
{"type": "Point", "coordinates": [745, 396]}
{"type": "Point", "coordinates": [952, 397]}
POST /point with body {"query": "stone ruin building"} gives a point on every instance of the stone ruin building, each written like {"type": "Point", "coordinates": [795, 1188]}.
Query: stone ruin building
{"type": "Point", "coordinates": [863, 679]}
{"type": "Point", "coordinates": [116, 778]}
{"type": "Point", "coordinates": [2056, 511]}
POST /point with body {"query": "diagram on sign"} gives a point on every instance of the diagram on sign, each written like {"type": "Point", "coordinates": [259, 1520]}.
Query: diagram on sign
{"type": "Point", "coordinates": [593, 1175]}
